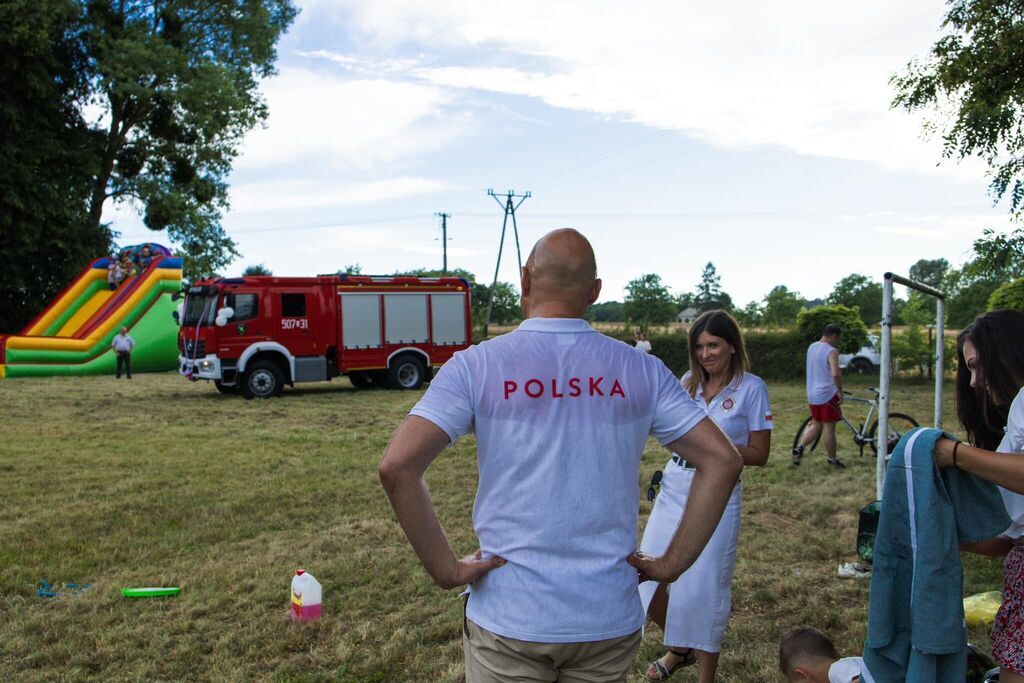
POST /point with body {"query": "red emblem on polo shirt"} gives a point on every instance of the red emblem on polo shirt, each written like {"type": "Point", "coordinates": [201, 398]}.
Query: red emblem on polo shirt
{"type": "Point", "coordinates": [728, 404]}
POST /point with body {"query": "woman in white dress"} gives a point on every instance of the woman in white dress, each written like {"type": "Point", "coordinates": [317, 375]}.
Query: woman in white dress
{"type": "Point", "coordinates": [694, 610]}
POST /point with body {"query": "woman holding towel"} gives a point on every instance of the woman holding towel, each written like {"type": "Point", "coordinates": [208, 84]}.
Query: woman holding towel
{"type": "Point", "coordinates": [989, 396]}
{"type": "Point", "coordinates": [694, 610]}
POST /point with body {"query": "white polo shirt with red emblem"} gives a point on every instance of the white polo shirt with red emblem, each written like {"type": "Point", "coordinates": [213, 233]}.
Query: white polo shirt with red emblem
{"type": "Point", "coordinates": [740, 407]}
{"type": "Point", "coordinates": [561, 415]}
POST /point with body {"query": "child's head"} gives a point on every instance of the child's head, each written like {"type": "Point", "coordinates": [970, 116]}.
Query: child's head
{"type": "Point", "coordinates": [806, 655]}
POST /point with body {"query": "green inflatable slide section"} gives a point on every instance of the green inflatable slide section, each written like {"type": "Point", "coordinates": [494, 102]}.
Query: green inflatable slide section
{"type": "Point", "coordinates": [145, 308]}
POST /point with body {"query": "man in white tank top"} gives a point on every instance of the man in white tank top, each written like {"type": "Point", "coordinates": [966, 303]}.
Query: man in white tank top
{"type": "Point", "coordinates": [824, 394]}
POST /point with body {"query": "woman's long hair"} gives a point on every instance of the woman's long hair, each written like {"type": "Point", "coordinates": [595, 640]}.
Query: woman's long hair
{"type": "Point", "coordinates": [720, 324]}
{"type": "Point", "coordinates": [998, 337]}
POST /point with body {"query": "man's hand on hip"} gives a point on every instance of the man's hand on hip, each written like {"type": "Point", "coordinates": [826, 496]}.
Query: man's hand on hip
{"type": "Point", "coordinates": [651, 568]}
{"type": "Point", "coordinates": [469, 569]}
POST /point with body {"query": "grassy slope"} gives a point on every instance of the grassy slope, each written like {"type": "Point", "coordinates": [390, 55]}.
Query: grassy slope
{"type": "Point", "coordinates": [158, 481]}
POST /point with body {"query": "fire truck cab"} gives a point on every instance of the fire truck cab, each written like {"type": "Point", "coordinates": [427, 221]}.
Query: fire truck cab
{"type": "Point", "coordinates": [253, 335]}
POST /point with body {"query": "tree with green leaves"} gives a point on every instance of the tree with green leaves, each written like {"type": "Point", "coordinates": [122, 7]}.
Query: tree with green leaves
{"type": "Point", "coordinates": [1009, 295]}
{"type": "Point", "coordinates": [45, 156]}
{"type": "Point", "coordinates": [751, 315]}
{"type": "Point", "coordinates": [256, 269]}
{"type": "Point", "coordinates": [178, 85]}
{"type": "Point", "coordinates": [861, 292]}
{"type": "Point", "coordinates": [781, 307]}
{"type": "Point", "coordinates": [648, 301]}
{"type": "Point", "coordinates": [972, 80]}
{"type": "Point", "coordinates": [811, 323]}
{"type": "Point", "coordinates": [607, 312]}
{"type": "Point", "coordinates": [929, 271]}
{"type": "Point", "coordinates": [709, 294]}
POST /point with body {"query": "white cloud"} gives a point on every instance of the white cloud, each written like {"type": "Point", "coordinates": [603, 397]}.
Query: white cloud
{"type": "Point", "coordinates": [347, 124]}
{"type": "Point", "coordinates": [803, 76]}
{"type": "Point", "coordinates": [320, 193]}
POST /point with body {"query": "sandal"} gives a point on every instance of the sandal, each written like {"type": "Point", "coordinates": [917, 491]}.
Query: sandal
{"type": "Point", "coordinates": [689, 657]}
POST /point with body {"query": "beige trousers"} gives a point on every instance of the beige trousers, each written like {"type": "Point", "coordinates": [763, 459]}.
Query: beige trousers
{"type": "Point", "coordinates": [490, 658]}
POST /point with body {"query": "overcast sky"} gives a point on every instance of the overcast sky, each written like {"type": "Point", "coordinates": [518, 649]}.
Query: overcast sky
{"type": "Point", "coordinates": [757, 136]}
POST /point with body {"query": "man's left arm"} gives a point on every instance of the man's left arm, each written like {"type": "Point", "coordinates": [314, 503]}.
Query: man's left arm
{"type": "Point", "coordinates": [413, 447]}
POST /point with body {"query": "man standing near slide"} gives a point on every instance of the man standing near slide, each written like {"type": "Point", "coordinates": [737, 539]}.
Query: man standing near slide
{"type": "Point", "coordinates": [824, 394]}
{"type": "Point", "coordinates": [123, 345]}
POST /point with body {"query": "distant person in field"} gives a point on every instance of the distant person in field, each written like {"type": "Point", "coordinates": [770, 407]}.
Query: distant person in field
{"type": "Point", "coordinates": [808, 655]}
{"type": "Point", "coordinates": [641, 343]}
{"type": "Point", "coordinates": [115, 273]}
{"type": "Point", "coordinates": [824, 394]}
{"type": "Point", "coordinates": [694, 611]}
{"type": "Point", "coordinates": [561, 414]}
{"type": "Point", "coordinates": [123, 345]}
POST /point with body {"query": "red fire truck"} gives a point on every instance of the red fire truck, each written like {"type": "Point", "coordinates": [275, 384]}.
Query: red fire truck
{"type": "Point", "coordinates": [253, 335]}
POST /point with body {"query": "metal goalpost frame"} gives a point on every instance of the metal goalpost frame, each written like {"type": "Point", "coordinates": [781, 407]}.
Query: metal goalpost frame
{"type": "Point", "coordinates": [884, 379]}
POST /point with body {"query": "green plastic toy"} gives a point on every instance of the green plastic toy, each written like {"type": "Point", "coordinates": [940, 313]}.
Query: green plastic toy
{"type": "Point", "coordinates": [162, 592]}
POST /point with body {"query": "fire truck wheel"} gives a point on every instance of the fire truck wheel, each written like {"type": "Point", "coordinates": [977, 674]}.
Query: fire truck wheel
{"type": "Point", "coordinates": [360, 380]}
{"type": "Point", "coordinates": [263, 379]}
{"type": "Point", "coordinates": [407, 372]}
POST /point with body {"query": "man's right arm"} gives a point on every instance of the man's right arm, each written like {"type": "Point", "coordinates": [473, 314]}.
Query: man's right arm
{"type": "Point", "coordinates": [837, 373]}
{"type": "Point", "coordinates": [717, 467]}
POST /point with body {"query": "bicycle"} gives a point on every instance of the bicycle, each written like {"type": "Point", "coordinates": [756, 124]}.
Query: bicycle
{"type": "Point", "coordinates": [899, 424]}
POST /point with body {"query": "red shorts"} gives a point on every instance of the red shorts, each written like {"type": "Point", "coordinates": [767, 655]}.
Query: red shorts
{"type": "Point", "coordinates": [827, 412]}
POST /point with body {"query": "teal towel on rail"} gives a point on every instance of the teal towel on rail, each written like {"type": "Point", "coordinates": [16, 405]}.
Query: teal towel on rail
{"type": "Point", "coordinates": [916, 629]}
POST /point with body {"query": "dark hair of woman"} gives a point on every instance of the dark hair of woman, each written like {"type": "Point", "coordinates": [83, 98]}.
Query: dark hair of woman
{"type": "Point", "coordinates": [998, 337]}
{"type": "Point", "coordinates": [719, 324]}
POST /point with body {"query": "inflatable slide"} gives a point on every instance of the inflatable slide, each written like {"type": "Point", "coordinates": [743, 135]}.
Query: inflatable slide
{"type": "Point", "coordinates": [72, 335]}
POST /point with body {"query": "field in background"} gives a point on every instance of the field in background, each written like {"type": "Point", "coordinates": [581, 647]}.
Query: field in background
{"type": "Point", "coordinates": [161, 482]}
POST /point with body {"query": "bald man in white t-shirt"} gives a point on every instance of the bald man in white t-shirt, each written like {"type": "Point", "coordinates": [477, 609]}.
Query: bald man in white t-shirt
{"type": "Point", "coordinates": [561, 415]}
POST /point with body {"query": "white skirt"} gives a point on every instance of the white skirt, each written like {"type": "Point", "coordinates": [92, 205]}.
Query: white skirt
{"type": "Point", "coordinates": [699, 602]}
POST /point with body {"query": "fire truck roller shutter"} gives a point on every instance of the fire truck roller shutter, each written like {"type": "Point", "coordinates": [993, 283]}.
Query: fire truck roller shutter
{"type": "Point", "coordinates": [448, 318]}
{"type": "Point", "coordinates": [405, 318]}
{"type": "Point", "coordinates": [360, 321]}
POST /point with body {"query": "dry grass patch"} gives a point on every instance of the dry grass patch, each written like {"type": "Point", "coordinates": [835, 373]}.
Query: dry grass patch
{"type": "Point", "coordinates": [159, 481]}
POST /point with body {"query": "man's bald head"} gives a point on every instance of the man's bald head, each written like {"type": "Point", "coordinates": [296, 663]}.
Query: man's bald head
{"type": "Point", "coordinates": [561, 268]}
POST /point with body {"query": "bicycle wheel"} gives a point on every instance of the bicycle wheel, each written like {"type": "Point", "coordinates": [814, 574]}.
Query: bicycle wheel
{"type": "Point", "coordinates": [800, 435]}
{"type": "Point", "coordinates": [899, 424]}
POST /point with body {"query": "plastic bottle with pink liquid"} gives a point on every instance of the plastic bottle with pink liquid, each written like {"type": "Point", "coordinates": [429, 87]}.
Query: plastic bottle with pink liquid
{"type": "Point", "coordinates": [306, 596]}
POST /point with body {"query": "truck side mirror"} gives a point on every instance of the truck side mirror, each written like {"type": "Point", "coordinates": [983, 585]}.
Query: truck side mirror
{"type": "Point", "coordinates": [174, 314]}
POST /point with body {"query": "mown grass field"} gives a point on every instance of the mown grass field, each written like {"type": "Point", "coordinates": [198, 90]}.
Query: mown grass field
{"type": "Point", "coordinates": [158, 481]}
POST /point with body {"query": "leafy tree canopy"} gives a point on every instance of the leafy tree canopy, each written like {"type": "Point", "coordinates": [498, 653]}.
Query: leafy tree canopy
{"type": "Point", "coordinates": [972, 78]}
{"type": "Point", "coordinates": [1009, 295]}
{"type": "Point", "coordinates": [861, 292]}
{"type": "Point", "coordinates": [256, 269]}
{"type": "Point", "coordinates": [781, 307]}
{"type": "Point", "coordinates": [929, 271]}
{"type": "Point", "coordinates": [751, 315]}
{"type": "Point", "coordinates": [177, 82]}
{"type": "Point", "coordinates": [648, 301]}
{"type": "Point", "coordinates": [709, 294]}
{"type": "Point", "coordinates": [811, 323]}
{"type": "Point", "coordinates": [44, 159]}
{"type": "Point", "coordinates": [607, 311]}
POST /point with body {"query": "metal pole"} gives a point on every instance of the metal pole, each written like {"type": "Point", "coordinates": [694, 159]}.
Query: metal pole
{"type": "Point", "coordinates": [444, 243]}
{"type": "Point", "coordinates": [883, 386]}
{"type": "Point", "coordinates": [940, 360]}
{"type": "Point", "coordinates": [494, 283]}
{"type": "Point", "coordinates": [515, 231]}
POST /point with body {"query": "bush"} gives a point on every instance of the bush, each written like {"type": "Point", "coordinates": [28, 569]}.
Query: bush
{"type": "Point", "coordinates": [811, 322]}
{"type": "Point", "coordinates": [773, 355]}
{"type": "Point", "coordinates": [1009, 295]}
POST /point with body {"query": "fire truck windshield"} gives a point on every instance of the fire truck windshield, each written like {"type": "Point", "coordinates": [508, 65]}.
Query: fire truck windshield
{"type": "Point", "coordinates": [200, 310]}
